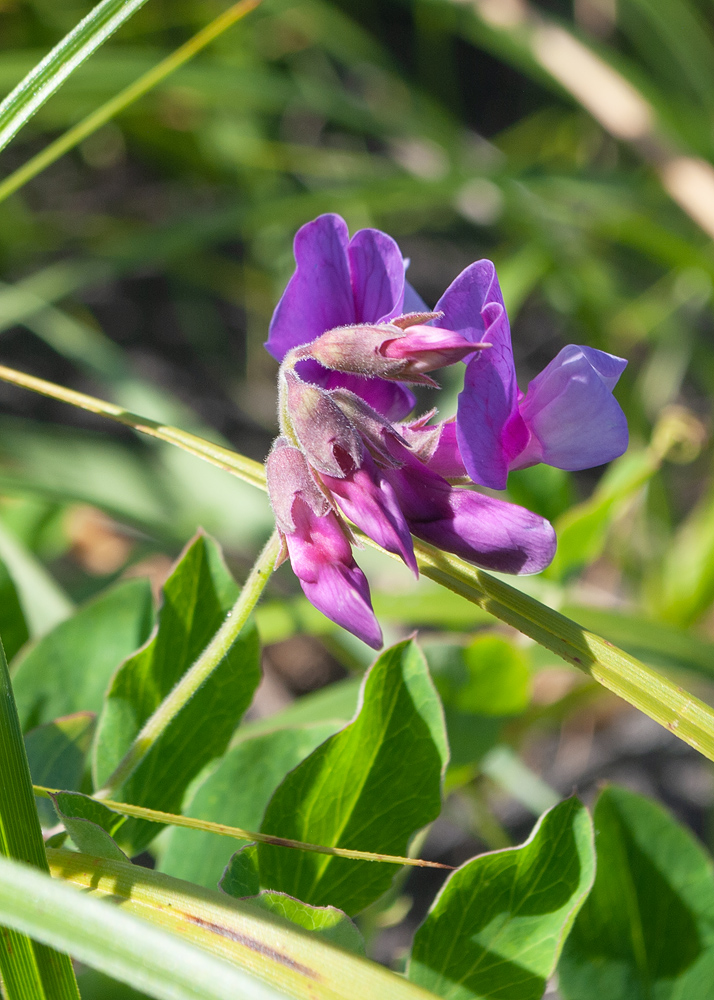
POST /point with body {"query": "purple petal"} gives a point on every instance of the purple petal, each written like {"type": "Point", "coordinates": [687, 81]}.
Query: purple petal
{"type": "Point", "coordinates": [331, 580]}
{"type": "Point", "coordinates": [489, 431]}
{"type": "Point", "coordinates": [377, 273]}
{"type": "Point", "coordinates": [368, 499]}
{"type": "Point", "coordinates": [571, 411]}
{"type": "Point", "coordinates": [491, 533]}
{"type": "Point", "coordinates": [446, 460]}
{"type": "Point", "coordinates": [319, 295]}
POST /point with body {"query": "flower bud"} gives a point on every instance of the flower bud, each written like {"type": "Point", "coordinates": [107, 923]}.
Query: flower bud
{"type": "Point", "coordinates": [289, 477]}
{"type": "Point", "coordinates": [328, 438]}
{"type": "Point", "coordinates": [387, 351]}
{"type": "Point", "coordinates": [374, 429]}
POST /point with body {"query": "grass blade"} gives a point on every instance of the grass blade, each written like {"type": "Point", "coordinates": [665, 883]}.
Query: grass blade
{"type": "Point", "coordinates": [30, 971]}
{"type": "Point", "coordinates": [124, 947]}
{"type": "Point", "coordinates": [49, 74]}
{"type": "Point", "coordinates": [132, 93]}
{"type": "Point", "coordinates": [239, 932]}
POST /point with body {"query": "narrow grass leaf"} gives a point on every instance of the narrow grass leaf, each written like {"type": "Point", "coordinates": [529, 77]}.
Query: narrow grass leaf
{"type": "Point", "coordinates": [49, 74]}
{"type": "Point", "coordinates": [29, 970]}
{"type": "Point", "coordinates": [279, 953]}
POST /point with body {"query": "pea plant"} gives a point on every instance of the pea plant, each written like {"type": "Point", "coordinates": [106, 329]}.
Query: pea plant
{"type": "Point", "coordinates": [157, 841]}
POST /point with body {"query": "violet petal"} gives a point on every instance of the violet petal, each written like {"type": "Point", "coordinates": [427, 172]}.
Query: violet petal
{"type": "Point", "coordinates": [570, 409]}
{"type": "Point", "coordinates": [489, 430]}
{"type": "Point", "coordinates": [332, 581]}
{"type": "Point", "coordinates": [319, 295]}
{"type": "Point", "coordinates": [488, 532]}
{"type": "Point", "coordinates": [368, 499]}
{"type": "Point", "coordinates": [377, 273]}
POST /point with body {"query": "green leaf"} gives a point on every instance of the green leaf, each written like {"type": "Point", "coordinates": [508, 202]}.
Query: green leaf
{"type": "Point", "coordinates": [491, 676]}
{"type": "Point", "coordinates": [235, 791]}
{"type": "Point", "coordinates": [90, 825]}
{"type": "Point", "coordinates": [13, 627]}
{"type": "Point", "coordinates": [196, 598]}
{"type": "Point", "coordinates": [29, 970]}
{"type": "Point", "coordinates": [58, 64]}
{"type": "Point", "coordinates": [69, 669]}
{"type": "Point", "coordinates": [329, 923]}
{"type": "Point", "coordinates": [647, 929]}
{"type": "Point", "coordinates": [241, 877]}
{"type": "Point", "coordinates": [498, 925]}
{"type": "Point", "coordinates": [242, 881]}
{"type": "Point", "coordinates": [56, 753]}
{"type": "Point", "coordinates": [393, 753]}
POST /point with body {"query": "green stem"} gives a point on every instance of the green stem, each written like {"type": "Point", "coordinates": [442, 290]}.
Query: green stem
{"type": "Point", "coordinates": [133, 92]}
{"type": "Point", "coordinates": [223, 830]}
{"type": "Point", "coordinates": [230, 461]}
{"type": "Point", "coordinates": [194, 678]}
{"type": "Point", "coordinates": [674, 708]}
{"type": "Point", "coordinates": [30, 971]}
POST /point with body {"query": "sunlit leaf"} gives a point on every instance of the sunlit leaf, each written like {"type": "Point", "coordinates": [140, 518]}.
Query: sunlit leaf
{"type": "Point", "coordinates": [394, 752]}
{"type": "Point", "coordinates": [497, 927]}
{"type": "Point", "coordinates": [235, 791]}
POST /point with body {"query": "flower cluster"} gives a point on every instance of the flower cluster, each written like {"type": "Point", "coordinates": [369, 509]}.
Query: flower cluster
{"type": "Point", "coordinates": [351, 335]}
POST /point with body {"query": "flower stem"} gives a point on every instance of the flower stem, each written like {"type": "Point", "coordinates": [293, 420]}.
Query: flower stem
{"type": "Point", "coordinates": [30, 971]}
{"type": "Point", "coordinates": [197, 675]}
{"type": "Point", "coordinates": [654, 694]}
{"type": "Point", "coordinates": [230, 461]}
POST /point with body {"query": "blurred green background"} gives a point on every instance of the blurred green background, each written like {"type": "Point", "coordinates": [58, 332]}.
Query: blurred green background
{"type": "Point", "coordinates": [570, 142]}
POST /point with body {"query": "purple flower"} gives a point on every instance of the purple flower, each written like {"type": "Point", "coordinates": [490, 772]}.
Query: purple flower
{"type": "Point", "coordinates": [568, 417]}
{"type": "Point", "coordinates": [345, 345]}
{"type": "Point", "coordinates": [340, 281]}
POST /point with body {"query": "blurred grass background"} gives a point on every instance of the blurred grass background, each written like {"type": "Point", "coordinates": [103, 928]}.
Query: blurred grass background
{"type": "Point", "coordinates": [570, 142]}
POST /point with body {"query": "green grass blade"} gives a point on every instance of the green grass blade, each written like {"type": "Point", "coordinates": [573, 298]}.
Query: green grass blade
{"type": "Point", "coordinates": [237, 931]}
{"type": "Point", "coordinates": [30, 971]}
{"type": "Point", "coordinates": [49, 74]}
{"type": "Point", "coordinates": [124, 947]}
{"type": "Point", "coordinates": [132, 93]}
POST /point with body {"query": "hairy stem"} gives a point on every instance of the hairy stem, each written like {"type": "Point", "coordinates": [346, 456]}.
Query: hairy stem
{"type": "Point", "coordinates": [197, 675]}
